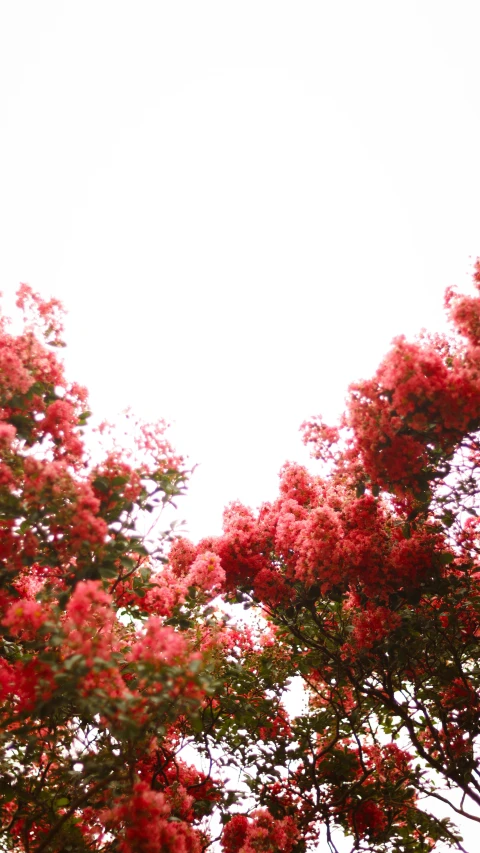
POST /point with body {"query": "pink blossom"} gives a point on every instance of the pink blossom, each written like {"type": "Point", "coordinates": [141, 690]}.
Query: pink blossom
{"type": "Point", "coordinates": [159, 644]}
{"type": "Point", "coordinates": [24, 618]}
{"type": "Point", "coordinates": [89, 622]}
{"type": "Point", "coordinates": [166, 592]}
{"type": "Point", "coordinates": [7, 434]}
{"type": "Point", "coordinates": [206, 572]}
{"type": "Point", "coordinates": [260, 833]}
{"type": "Point", "coordinates": [144, 826]}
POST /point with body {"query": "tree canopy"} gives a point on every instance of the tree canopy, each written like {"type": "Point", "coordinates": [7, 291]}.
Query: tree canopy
{"type": "Point", "coordinates": [124, 665]}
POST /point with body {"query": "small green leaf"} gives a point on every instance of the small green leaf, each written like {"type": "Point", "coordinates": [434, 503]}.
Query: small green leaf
{"type": "Point", "coordinates": [108, 571]}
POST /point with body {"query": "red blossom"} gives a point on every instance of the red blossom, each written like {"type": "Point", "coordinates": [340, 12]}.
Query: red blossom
{"type": "Point", "coordinates": [181, 556]}
{"type": "Point", "coordinates": [143, 826]}
{"type": "Point", "coordinates": [24, 618]}
{"type": "Point", "coordinates": [206, 572]}
{"type": "Point", "coordinates": [260, 832]}
{"type": "Point", "coordinates": [158, 644]}
{"type": "Point", "coordinates": [369, 819]}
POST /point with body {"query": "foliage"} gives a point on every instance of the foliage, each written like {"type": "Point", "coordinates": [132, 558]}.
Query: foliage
{"type": "Point", "coordinates": [116, 657]}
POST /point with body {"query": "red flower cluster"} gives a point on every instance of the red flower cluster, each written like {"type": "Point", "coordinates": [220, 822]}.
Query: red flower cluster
{"type": "Point", "coordinates": [325, 536]}
{"type": "Point", "coordinates": [259, 833]}
{"type": "Point", "coordinates": [421, 403]}
{"type": "Point", "coordinates": [142, 825]}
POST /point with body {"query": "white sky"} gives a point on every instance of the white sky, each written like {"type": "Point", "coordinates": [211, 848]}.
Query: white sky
{"type": "Point", "coordinates": [238, 203]}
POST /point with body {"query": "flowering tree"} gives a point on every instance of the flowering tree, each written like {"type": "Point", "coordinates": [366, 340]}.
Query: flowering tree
{"type": "Point", "coordinates": [115, 656]}
{"type": "Point", "coordinates": [368, 575]}
{"type": "Point", "coordinates": [97, 691]}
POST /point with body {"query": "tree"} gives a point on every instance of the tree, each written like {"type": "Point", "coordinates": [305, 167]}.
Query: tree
{"type": "Point", "coordinates": [96, 689]}
{"type": "Point", "coordinates": [363, 582]}
{"type": "Point", "coordinates": [369, 576]}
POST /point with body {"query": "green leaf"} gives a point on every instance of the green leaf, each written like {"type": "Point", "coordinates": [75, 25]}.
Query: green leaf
{"type": "Point", "coordinates": [108, 571]}
{"type": "Point", "coordinates": [119, 481]}
{"type": "Point", "coordinates": [72, 661]}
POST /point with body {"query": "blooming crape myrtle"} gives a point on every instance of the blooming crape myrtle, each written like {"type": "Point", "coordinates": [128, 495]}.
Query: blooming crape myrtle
{"type": "Point", "coordinates": [364, 582]}
{"type": "Point", "coordinates": [103, 678]}
{"type": "Point", "coordinates": [368, 576]}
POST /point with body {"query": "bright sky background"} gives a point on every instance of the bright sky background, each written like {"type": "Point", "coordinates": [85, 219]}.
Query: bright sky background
{"type": "Point", "coordinates": [240, 204]}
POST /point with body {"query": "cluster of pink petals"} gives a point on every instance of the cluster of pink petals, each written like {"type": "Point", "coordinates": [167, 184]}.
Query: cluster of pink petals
{"type": "Point", "coordinates": [142, 824]}
{"type": "Point", "coordinates": [21, 683]}
{"type": "Point", "coordinates": [25, 617]}
{"type": "Point", "coordinates": [318, 534]}
{"type": "Point", "coordinates": [423, 399]}
{"type": "Point", "coordinates": [158, 644]}
{"type": "Point", "coordinates": [206, 572]}
{"type": "Point", "coordinates": [166, 592]}
{"type": "Point", "coordinates": [45, 314]}
{"type": "Point", "coordinates": [7, 434]}
{"type": "Point", "coordinates": [259, 833]}
{"type": "Point", "coordinates": [89, 623]}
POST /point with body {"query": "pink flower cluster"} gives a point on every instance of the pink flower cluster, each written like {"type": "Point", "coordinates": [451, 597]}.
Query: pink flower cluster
{"type": "Point", "coordinates": [259, 833]}
{"type": "Point", "coordinates": [206, 572]}
{"type": "Point", "coordinates": [322, 535]}
{"type": "Point", "coordinates": [141, 823]}
{"type": "Point", "coordinates": [24, 617]}
{"type": "Point", "coordinates": [423, 399]}
{"type": "Point", "coordinates": [158, 644]}
{"type": "Point", "coordinates": [90, 622]}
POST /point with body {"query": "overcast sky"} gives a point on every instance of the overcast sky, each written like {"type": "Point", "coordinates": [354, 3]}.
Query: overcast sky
{"type": "Point", "coordinates": [240, 204]}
